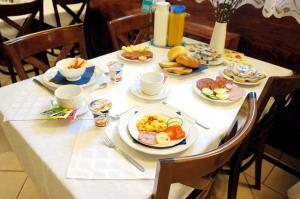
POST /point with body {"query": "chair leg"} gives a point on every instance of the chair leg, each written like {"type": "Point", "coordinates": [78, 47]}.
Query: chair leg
{"type": "Point", "coordinates": [258, 165]}
{"type": "Point", "coordinates": [12, 74]}
{"type": "Point", "coordinates": [234, 176]}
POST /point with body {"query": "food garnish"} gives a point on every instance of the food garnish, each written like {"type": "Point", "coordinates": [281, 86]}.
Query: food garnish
{"type": "Point", "coordinates": [219, 89]}
{"type": "Point", "coordinates": [78, 63]}
{"type": "Point", "coordinates": [158, 129]}
{"type": "Point", "coordinates": [140, 53]}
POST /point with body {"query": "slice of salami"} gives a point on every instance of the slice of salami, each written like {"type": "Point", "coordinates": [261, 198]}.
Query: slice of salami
{"type": "Point", "coordinates": [204, 83]}
{"type": "Point", "coordinates": [235, 93]}
{"type": "Point", "coordinates": [147, 138]}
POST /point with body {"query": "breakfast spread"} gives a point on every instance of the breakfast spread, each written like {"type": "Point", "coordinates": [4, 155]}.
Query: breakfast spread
{"type": "Point", "coordinates": [78, 63]}
{"type": "Point", "coordinates": [138, 53]}
{"type": "Point", "coordinates": [219, 89]}
{"type": "Point", "coordinates": [180, 62]}
{"type": "Point", "coordinates": [243, 74]}
{"type": "Point", "coordinates": [100, 109]}
{"type": "Point", "coordinates": [158, 129]}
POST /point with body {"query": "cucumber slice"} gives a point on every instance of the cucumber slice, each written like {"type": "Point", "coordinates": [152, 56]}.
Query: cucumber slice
{"type": "Point", "coordinates": [207, 91]}
{"type": "Point", "coordinates": [212, 97]}
{"type": "Point", "coordinates": [174, 121]}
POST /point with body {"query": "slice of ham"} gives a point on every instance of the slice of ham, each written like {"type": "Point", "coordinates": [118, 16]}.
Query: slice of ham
{"type": "Point", "coordinates": [204, 83]}
{"type": "Point", "coordinates": [147, 138]}
{"type": "Point", "coordinates": [235, 93]}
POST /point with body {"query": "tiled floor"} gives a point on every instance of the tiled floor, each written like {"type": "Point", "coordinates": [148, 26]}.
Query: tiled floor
{"type": "Point", "coordinates": [15, 184]}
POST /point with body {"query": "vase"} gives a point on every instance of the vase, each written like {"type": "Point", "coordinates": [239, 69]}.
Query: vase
{"type": "Point", "coordinates": [217, 41]}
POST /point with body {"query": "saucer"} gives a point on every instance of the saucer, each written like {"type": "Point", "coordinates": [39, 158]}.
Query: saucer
{"type": "Point", "coordinates": [136, 90]}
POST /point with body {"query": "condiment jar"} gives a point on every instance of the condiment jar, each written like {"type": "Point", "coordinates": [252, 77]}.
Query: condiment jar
{"type": "Point", "coordinates": [176, 25]}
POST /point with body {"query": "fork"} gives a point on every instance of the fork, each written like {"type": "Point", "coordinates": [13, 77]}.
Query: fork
{"type": "Point", "coordinates": [109, 143]}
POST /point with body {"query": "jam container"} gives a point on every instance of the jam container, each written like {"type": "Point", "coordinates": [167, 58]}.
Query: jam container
{"type": "Point", "coordinates": [100, 109]}
{"type": "Point", "coordinates": [115, 70]}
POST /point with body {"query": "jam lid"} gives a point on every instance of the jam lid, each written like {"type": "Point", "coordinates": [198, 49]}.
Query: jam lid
{"type": "Point", "coordinates": [178, 8]}
{"type": "Point", "coordinates": [100, 105]}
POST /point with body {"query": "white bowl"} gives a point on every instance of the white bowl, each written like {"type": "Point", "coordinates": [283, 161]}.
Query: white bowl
{"type": "Point", "coordinates": [71, 74]}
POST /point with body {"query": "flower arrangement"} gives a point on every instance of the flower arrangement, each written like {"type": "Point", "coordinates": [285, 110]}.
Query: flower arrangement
{"type": "Point", "coordinates": [224, 9]}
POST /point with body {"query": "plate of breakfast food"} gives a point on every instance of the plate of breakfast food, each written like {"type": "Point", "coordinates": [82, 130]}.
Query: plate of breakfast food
{"type": "Point", "coordinates": [220, 90]}
{"type": "Point", "coordinates": [180, 62]}
{"type": "Point", "coordinates": [138, 53]}
{"type": "Point", "coordinates": [157, 130]}
{"type": "Point", "coordinates": [243, 74]}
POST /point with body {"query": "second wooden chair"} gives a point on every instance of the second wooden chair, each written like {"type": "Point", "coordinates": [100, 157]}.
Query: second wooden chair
{"type": "Point", "coordinates": [22, 49]}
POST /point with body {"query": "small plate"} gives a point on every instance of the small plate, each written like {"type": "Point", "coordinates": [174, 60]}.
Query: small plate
{"type": "Point", "coordinates": [126, 137]}
{"type": "Point", "coordinates": [198, 92]}
{"type": "Point", "coordinates": [133, 60]}
{"type": "Point", "coordinates": [136, 91]}
{"type": "Point", "coordinates": [241, 83]}
{"type": "Point", "coordinates": [49, 74]}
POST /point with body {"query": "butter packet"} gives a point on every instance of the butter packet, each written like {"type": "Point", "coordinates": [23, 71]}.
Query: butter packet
{"type": "Point", "coordinates": [60, 113]}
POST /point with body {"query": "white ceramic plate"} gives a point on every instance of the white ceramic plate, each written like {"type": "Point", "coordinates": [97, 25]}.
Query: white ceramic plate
{"type": "Point", "coordinates": [241, 83]}
{"type": "Point", "coordinates": [135, 89]}
{"type": "Point", "coordinates": [127, 138]}
{"type": "Point", "coordinates": [134, 132]}
{"type": "Point", "coordinates": [198, 92]}
{"type": "Point", "coordinates": [133, 60]}
{"type": "Point", "coordinates": [49, 74]}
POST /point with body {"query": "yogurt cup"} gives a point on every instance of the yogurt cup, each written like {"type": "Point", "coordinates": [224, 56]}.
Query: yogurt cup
{"type": "Point", "coordinates": [115, 70]}
{"type": "Point", "coordinates": [100, 109]}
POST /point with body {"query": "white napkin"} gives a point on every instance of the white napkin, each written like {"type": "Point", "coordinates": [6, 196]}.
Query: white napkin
{"type": "Point", "coordinates": [91, 159]}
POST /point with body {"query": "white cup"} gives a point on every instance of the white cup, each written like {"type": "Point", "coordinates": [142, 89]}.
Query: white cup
{"type": "Point", "coordinates": [69, 96]}
{"type": "Point", "coordinates": [151, 83]}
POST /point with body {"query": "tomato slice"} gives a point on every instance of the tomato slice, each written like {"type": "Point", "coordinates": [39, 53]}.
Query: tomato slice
{"type": "Point", "coordinates": [175, 132]}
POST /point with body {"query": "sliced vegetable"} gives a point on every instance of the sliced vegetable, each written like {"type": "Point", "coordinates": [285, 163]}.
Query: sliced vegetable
{"type": "Point", "coordinates": [175, 132]}
{"type": "Point", "coordinates": [220, 90]}
{"type": "Point", "coordinates": [207, 91]}
{"type": "Point", "coordinates": [222, 96]}
{"type": "Point", "coordinates": [212, 97]}
{"type": "Point", "coordinates": [163, 138]}
{"type": "Point", "coordinates": [174, 121]}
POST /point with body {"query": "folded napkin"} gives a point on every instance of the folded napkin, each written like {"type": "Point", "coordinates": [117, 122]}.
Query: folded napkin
{"type": "Point", "coordinates": [85, 78]}
{"type": "Point", "coordinates": [201, 68]}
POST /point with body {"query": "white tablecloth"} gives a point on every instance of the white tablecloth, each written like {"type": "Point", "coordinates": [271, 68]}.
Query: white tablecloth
{"type": "Point", "coordinates": [49, 18]}
{"type": "Point", "coordinates": [45, 147]}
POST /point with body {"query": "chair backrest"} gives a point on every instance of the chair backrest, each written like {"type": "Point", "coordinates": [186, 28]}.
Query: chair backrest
{"type": "Point", "coordinates": [194, 171]}
{"type": "Point", "coordinates": [64, 4]}
{"type": "Point", "coordinates": [138, 26]}
{"type": "Point", "coordinates": [31, 8]}
{"type": "Point", "coordinates": [23, 48]}
{"type": "Point", "coordinates": [281, 89]}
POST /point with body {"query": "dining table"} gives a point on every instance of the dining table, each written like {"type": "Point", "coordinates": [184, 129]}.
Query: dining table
{"type": "Point", "coordinates": [49, 17]}
{"type": "Point", "coordinates": [68, 159]}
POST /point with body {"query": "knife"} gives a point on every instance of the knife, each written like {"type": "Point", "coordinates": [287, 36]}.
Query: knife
{"type": "Point", "coordinates": [42, 85]}
{"type": "Point", "coordinates": [192, 118]}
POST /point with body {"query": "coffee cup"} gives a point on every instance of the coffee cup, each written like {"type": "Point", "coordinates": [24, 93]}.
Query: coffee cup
{"type": "Point", "coordinates": [151, 83]}
{"type": "Point", "coordinates": [69, 96]}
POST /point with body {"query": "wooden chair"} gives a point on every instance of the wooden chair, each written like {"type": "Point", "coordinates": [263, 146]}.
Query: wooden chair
{"type": "Point", "coordinates": [64, 4]}
{"type": "Point", "coordinates": [133, 29]}
{"type": "Point", "coordinates": [281, 89]}
{"type": "Point", "coordinates": [23, 48]}
{"type": "Point", "coordinates": [198, 171]}
{"type": "Point", "coordinates": [10, 10]}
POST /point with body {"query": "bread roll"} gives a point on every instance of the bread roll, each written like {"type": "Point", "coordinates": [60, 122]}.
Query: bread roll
{"type": "Point", "coordinates": [188, 61]}
{"type": "Point", "coordinates": [179, 70]}
{"type": "Point", "coordinates": [169, 64]}
{"type": "Point", "coordinates": [176, 51]}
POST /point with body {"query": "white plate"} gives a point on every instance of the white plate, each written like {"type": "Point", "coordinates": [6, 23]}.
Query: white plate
{"type": "Point", "coordinates": [133, 60]}
{"type": "Point", "coordinates": [198, 92]}
{"type": "Point", "coordinates": [136, 90]}
{"type": "Point", "coordinates": [49, 74]}
{"type": "Point", "coordinates": [126, 137]}
{"type": "Point", "coordinates": [241, 83]}
{"type": "Point", "coordinates": [134, 132]}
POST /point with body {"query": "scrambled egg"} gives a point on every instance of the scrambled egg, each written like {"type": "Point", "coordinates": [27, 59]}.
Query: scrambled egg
{"type": "Point", "coordinates": [152, 122]}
